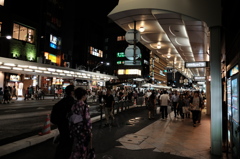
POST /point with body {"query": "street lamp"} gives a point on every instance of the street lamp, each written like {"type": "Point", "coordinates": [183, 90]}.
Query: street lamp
{"type": "Point", "coordinates": [98, 65]}
{"type": "Point", "coordinates": [7, 37]}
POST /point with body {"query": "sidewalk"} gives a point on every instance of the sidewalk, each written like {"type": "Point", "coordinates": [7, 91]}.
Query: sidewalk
{"type": "Point", "coordinates": [132, 136]}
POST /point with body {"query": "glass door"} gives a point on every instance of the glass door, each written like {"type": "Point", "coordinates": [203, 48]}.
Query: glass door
{"type": "Point", "coordinates": [229, 109]}
{"type": "Point", "coordinates": [235, 115]}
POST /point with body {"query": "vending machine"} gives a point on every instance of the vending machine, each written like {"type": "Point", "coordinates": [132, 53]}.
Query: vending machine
{"type": "Point", "coordinates": [233, 111]}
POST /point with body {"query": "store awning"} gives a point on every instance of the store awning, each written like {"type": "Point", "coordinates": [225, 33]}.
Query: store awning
{"type": "Point", "coordinates": [33, 68]}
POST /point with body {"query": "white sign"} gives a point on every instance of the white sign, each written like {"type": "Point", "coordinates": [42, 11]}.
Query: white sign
{"type": "Point", "coordinates": [200, 78]}
{"type": "Point", "coordinates": [129, 52]}
{"type": "Point", "coordinates": [195, 64]}
{"type": "Point", "coordinates": [129, 36]}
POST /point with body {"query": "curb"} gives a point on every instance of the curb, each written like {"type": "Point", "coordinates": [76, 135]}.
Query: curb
{"type": "Point", "coordinates": [33, 140]}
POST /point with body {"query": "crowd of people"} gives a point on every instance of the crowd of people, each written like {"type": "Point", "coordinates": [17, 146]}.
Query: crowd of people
{"type": "Point", "coordinates": [72, 114]}
{"type": "Point", "coordinates": [7, 94]}
{"type": "Point", "coordinates": [181, 103]}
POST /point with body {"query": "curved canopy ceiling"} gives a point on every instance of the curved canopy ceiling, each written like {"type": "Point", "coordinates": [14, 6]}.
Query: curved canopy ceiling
{"type": "Point", "coordinates": [182, 39]}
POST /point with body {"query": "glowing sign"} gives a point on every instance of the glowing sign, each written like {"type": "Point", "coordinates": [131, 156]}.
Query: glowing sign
{"type": "Point", "coordinates": [200, 78]}
{"type": "Point", "coordinates": [195, 64]}
{"type": "Point", "coordinates": [129, 72]}
{"type": "Point", "coordinates": [120, 54]}
{"type": "Point", "coordinates": [52, 57]}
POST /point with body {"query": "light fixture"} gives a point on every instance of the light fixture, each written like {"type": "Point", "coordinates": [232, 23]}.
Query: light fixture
{"type": "Point", "coordinates": [159, 45]}
{"type": "Point", "coordinates": [141, 29]}
{"type": "Point", "coordinates": [8, 37]}
{"type": "Point", "coordinates": [168, 56]}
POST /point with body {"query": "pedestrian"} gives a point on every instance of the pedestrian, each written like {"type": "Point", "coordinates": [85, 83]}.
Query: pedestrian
{"type": "Point", "coordinates": [26, 95]}
{"type": "Point", "coordinates": [6, 95]}
{"type": "Point", "coordinates": [152, 105]}
{"type": "Point", "coordinates": [30, 92]}
{"type": "Point", "coordinates": [187, 104]}
{"type": "Point", "coordinates": [174, 102]}
{"type": "Point", "coordinates": [1, 95]}
{"type": "Point", "coordinates": [196, 106]}
{"type": "Point", "coordinates": [80, 126]}
{"type": "Point", "coordinates": [180, 105]}
{"type": "Point", "coordinates": [14, 92]}
{"type": "Point", "coordinates": [55, 93]}
{"type": "Point", "coordinates": [108, 107]}
{"type": "Point", "coordinates": [59, 118]}
{"type": "Point", "coordinates": [164, 102]}
{"type": "Point", "coordinates": [100, 95]}
{"type": "Point", "coordinates": [135, 97]}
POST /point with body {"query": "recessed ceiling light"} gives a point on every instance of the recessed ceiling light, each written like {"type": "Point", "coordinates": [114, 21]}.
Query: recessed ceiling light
{"type": "Point", "coordinates": [141, 29]}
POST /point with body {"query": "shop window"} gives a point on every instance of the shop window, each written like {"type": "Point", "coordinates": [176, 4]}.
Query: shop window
{"type": "Point", "coordinates": [1, 2]}
{"type": "Point", "coordinates": [120, 38]}
{"type": "Point", "coordinates": [23, 33]}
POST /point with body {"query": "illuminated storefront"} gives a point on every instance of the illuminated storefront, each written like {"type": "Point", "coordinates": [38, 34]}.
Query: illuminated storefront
{"type": "Point", "coordinates": [47, 76]}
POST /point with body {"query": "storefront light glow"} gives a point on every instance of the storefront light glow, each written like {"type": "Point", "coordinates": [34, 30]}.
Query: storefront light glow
{"type": "Point", "coordinates": [62, 74]}
{"type": "Point", "coordinates": [17, 68]}
{"type": "Point", "coordinates": [42, 68]}
{"type": "Point", "coordinates": [59, 70]}
{"type": "Point", "coordinates": [24, 66]}
{"type": "Point", "coordinates": [30, 70]}
{"type": "Point", "coordinates": [66, 71]}
{"type": "Point", "coordinates": [47, 72]}
{"type": "Point", "coordinates": [51, 69]}
{"type": "Point", "coordinates": [5, 67]}
{"type": "Point", "coordinates": [33, 67]}
{"type": "Point", "coordinates": [38, 71]}
{"type": "Point", "coordinates": [9, 64]}
{"type": "Point", "coordinates": [54, 73]}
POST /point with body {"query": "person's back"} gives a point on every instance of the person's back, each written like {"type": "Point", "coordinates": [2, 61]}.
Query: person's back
{"type": "Point", "coordinates": [164, 98]}
{"type": "Point", "coordinates": [59, 118]}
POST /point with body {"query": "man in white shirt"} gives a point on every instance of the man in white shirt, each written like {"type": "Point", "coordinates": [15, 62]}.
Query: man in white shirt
{"type": "Point", "coordinates": [164, 102]}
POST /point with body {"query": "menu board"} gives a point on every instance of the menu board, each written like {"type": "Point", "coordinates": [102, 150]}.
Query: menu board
{"type": "Point", "coordinates": [235, 102]}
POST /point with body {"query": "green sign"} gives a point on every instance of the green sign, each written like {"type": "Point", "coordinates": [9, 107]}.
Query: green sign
{"type": "Point", "coordinates": [120, 54]}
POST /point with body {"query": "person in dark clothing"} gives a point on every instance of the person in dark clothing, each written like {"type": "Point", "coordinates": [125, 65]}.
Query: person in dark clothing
{"type": "Point", "coordinates": [6, 95]}
{"type": "Point", "coordinates": [180, 105]}
{"type": "Point", "coordinates": [59, 118]}
{"type": "Point", "coordinates": [152, 105]}
{"type": "Point", "coordinates": [108, 106]}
